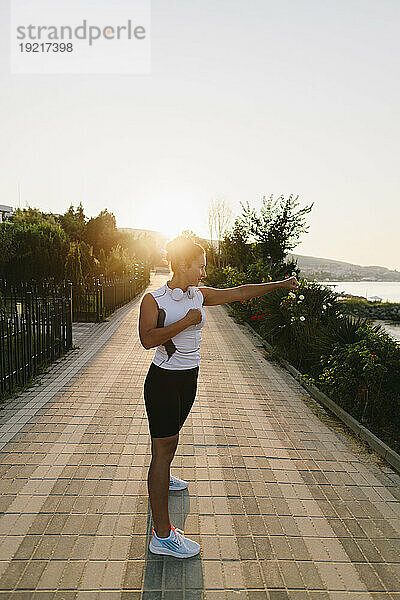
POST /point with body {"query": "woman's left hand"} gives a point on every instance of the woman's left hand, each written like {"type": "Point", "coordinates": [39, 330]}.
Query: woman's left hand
{"type": "Point", "coordinates": [290, 283]}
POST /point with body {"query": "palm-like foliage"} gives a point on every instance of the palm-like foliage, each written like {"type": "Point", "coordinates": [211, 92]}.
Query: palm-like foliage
{"type": "Point", "coordinates": [348, 330]}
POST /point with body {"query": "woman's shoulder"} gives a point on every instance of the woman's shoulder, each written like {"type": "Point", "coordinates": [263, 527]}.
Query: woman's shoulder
{"type": "Point", "coordinates": [159, 292]}
{"type": "Point", "coordinates": [153, 298]}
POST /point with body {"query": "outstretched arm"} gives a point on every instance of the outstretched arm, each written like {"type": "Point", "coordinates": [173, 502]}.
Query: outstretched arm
{"type": "Point", "coordinates": [214, 296]}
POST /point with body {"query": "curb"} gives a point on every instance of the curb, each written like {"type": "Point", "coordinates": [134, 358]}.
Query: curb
{"type": "Point", "coordinates": [380, 447]}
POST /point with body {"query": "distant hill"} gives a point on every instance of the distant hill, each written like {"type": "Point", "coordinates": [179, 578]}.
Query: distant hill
{"type": "Point", "coordinates": [326, 269]}
{"type": "Point", "coordinates": [160, 238]}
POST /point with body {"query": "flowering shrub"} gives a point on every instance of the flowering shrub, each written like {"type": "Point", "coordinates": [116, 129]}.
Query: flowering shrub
{"type": "Point", "coordinates": [255, 309]}
{"type": "Point", "coordinates": [296, 320]}
{"type": "Point", "coordinates": [364, 378]}
{"type": "Point", "coordinates": [233, 277]}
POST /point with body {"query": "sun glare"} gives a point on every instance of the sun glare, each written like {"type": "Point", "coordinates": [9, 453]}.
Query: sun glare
{"type": "Point", "coordinates": [168, 215]}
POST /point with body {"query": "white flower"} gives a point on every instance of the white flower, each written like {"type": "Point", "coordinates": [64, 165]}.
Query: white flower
{"type": "Point", "coordinates": [324, 306]}
{"type": "Point", "coordinates": [294, 273]}
{"type": "Point", "coordinates": [292, 295]}
{"type": "Point", "coordinates": [301, 297]}
{"type": "Point", "coordinates": [292, 319]}
{"type": "Point", "coordinates": [298, 301]}
{"type": "Point", "coordinates": [302, 318]}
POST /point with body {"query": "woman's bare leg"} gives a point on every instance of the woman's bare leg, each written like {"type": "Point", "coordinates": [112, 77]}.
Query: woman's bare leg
{"type": "Point", "coordinates": [163, 451]}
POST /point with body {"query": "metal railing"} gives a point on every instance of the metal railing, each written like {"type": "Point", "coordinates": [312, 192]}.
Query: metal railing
{"type": "Point", "coordinates": [36, 320]}
{"type": "Point", "coordinates": [95, 301]}
{"type": "Point", "coordinates": [35, 330]}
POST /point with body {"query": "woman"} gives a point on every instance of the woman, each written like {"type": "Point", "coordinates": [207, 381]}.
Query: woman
{"type": "Point", "coordinates": [171, 319]}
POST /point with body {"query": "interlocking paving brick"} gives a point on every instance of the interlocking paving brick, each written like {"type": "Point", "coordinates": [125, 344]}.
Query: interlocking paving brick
{"type": "Point", "coordinates": [252, 573]}
{"type": "Point", "coordinates": [51, 574]}
{"type": "Point", "coordinates": [282, 505]}
{"type": "Point", "coordinates": [272, 573]}
{"type": "Point", "coordinates": [72, 574]}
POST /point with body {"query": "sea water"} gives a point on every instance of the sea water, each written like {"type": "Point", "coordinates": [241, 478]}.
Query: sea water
{"type": "Point", "coordinates": [389, 291]}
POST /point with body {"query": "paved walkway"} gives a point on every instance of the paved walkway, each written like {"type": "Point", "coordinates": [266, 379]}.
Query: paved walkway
{"type": "Point", "coordinates": [282, 503]}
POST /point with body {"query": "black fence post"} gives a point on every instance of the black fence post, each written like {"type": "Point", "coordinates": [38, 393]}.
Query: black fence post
{"type": "Point", "coordinates": [69, 314]}
{"type": "Point", "coordinates": [99, 300]}
{"type": "Point", "coordinates": [3, 364]}
{"type": "Point", "coordinates": [28, 327]}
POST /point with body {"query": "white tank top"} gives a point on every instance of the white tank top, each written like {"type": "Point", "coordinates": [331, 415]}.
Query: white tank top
{"type": "Point", "coordinates": [183, 350]}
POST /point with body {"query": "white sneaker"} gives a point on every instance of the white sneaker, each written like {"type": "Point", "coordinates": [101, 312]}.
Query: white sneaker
{"type": "Point", "coordinates": [177, 484]}
{"type": "Point", "coordinates": [175, 545]}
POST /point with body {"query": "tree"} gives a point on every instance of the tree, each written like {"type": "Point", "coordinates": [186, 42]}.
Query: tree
{"type": "Point", "coordinates": [74, 223]}
{"type": "Point", "coordinates": [142, 246]}
{"type": "Point", "coordinates": [73, 266]}
{"type": "Point", "coordinates": [116, 263]}
{"type": "Point", "coordinates": [101, 232]}
{"type": "Point", "coordinates": [277, 227]}
{"type": "Point", "coordinates": [236, 248]}
{"type": "Point", "coordinates": [32, 216]}
{"type": "Point", "coordinates": [219, 218]}
{"type": "Point", "coordinates": [89, 262]}
{"type": "Point", "coordinates": [32, 251]}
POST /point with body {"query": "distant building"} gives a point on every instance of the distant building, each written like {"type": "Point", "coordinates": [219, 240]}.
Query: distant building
{"type": "Point", "coordinates": [5, 212]}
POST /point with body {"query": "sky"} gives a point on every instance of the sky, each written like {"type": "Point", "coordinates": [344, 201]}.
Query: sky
{"type": "Point", "coordinates": [244, 100]}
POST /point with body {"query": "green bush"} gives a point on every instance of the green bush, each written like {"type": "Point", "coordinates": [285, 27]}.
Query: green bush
{"type": "Point", "coordinates": [224, 277]}
{"type": "Point", "coordinates": [364, 378]}
{"type": "Point", "coordinates": [32, 251]}
{"type": "Point", "coordinates": [294, 322]}
{"type": "Point", "coordinates": [261, 271]}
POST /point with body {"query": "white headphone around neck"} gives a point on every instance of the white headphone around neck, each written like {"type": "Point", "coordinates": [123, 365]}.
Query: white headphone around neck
{"type": "Point", "coordinates": [177, 293]}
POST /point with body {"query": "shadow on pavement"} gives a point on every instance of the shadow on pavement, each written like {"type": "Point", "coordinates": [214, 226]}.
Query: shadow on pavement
{"type": "Point", "coordinates": [167, 577]}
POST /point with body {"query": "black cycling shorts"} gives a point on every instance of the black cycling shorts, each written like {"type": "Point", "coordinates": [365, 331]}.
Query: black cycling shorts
{"type": "Point", "coordinates": [169, 395]}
